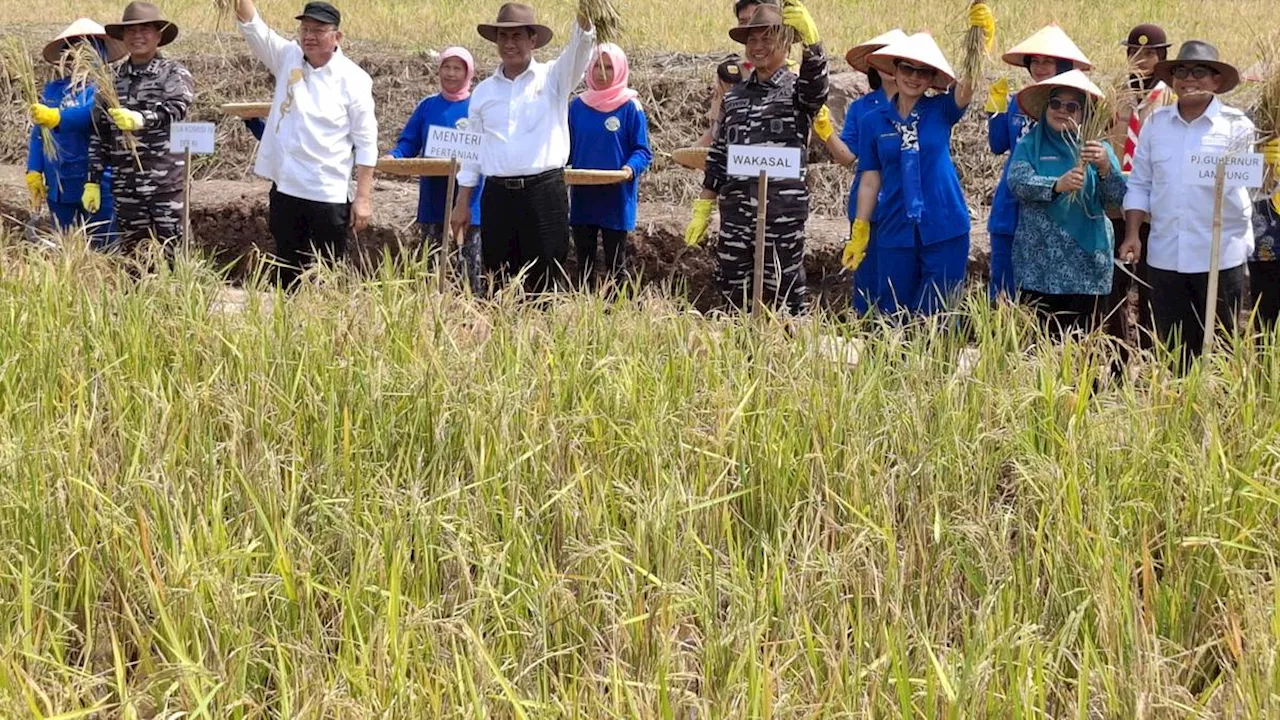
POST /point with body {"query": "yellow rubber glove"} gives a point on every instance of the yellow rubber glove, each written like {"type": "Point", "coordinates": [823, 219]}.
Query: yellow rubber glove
{"type": "Point", "coordinates": [822, 126]}
{"type": "Point", "coordinates": [45, 116]}
{"type": "Point", "coordinates": [1271, 153]}
{"type": "Point", "coordinates": [980, 16]}
{"type": "Point", "coordinates": [35, 185]}
{"type": "Point", "coordinates": [998, 97]}
{"type": "Point", "coordinates": [125, 119]}
{"type": "Point", "coordinates": [91, 199]}
{"type": "Point", "coordinates": [796, 16]}
{"type": "Point", "coordinates": [701, 220]}
{"type": "Point", "coordinates": [856, 249]}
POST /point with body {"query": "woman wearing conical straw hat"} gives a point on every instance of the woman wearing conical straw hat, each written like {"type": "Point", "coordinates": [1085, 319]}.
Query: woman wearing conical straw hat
{"type": "Point", "coordinates": [1047, 53]}
{"type": "Point", "coordinates": [909, 182]}
{"type": "Point", "coordinates": [843, 149]}
{"type": "Point", "coordinates": [1063, 244]}
{"type": "Point", "coordinates": [56, 174]}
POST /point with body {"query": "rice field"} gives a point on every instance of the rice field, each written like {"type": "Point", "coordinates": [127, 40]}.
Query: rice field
{"type": "Point", "coordinates": [377, 500]}
{"type": "Point", "coordinates": [702, 25]}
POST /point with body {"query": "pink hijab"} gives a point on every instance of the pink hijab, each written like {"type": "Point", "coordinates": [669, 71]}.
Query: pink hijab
{"type": "Point", "coordinates": [616, 94]}
{"type": "Point", "coordinates": [465, 57]}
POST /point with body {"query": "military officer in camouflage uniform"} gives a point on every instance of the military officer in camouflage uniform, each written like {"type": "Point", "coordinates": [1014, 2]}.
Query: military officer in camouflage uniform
{"type": "Point", "coordinates": [729, 72]}
{"type": "Point", "coordinates": [776, 107]}
{"type": "Point", "coordinates": [133, 139]}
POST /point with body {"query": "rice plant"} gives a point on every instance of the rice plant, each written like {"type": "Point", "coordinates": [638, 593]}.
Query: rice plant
{"type": "Point", "coordinates": [20, 76]}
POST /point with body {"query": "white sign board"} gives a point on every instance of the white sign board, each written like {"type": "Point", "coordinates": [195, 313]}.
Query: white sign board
{"type": "Point", "coordinates": [194, 136]}
{"type": "Point", "coordinates": [777, 162]}
{"type": "Point", "coordinates": [1243, 169]}
{"type": "Point", "coordinates": [445, 142]}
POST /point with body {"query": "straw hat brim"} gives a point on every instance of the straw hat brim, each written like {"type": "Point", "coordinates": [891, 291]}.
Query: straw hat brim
{"type": "Point", "coordinates": [914, 51]}
{"type": "Point", "coordinates": [53, 51]}
{"type": "Point", "coordinates": [857, 55]}
{"type": "Point", "coordinates": [1230, 75]}
{"type": "Point", "coordinates": [168, 31]}
{"type": "Point", "coordinates": [541, 33]}
{"type": "Point", "coordinates": [1049, 41]}
{"type": "Point", "coordinates": [1034, 99]}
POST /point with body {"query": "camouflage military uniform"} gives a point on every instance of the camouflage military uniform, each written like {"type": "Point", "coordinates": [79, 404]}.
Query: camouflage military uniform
{"type": "Point", "coordinates": [776, 111]}
{"type": "Point", "coordinates": [147, 188]}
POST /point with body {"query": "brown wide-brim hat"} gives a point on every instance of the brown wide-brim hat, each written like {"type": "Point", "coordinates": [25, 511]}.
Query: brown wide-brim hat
{"type": "Point", "coordinates": [1196, 52]}
{"type": "Point", "coordinates": [83, 29]}
{"type": "Point", "coordinates": [764, 16]}
{"type": "Point", "coordinates": [516, 15]}
{"type": "Point", "coordinates": [1035, 98]}
{"type": "Point", "coordinates": [140, 12]}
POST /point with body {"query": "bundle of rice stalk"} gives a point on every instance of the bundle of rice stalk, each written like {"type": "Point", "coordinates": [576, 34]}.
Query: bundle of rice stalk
{"type": "Point", "coordinates": [20, 72]}
{"type": "Point", "coordinates": [85, 68]}
{"type": "Point", "coordinates": [973, 55]}
{"type": "Point", "coordinates": [604, 17]}
{"type": "Point", "coordinates": [1266, 113]}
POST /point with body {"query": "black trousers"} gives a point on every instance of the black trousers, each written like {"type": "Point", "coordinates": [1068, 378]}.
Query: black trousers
{"type": "Point", "coordinates": [1177, 306]}
{"type": "Point", "coordinates": [1264, 283]}
{"type": "Point", "coordinates": [304, 230]}
{"type": "Point", "coordinates": [585, 240]}
{"type": "Point", "coordinates": [1119, 325]}
{"type": "Point", "coordinates": [1064, 314]}
{"type": "Point", "coordinates": [524, 225]}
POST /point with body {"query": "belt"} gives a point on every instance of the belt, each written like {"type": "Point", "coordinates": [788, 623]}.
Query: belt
{"type": "Point", "coordinates": [520, 182]}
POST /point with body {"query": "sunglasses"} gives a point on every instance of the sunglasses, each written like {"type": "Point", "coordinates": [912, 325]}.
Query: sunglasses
{"type": "Point", "coordinates": [1199, 72]}
{"type": "Point", "coordinates": [908, 70]}
{"type": "Point", "coordinates": [1071, 106]}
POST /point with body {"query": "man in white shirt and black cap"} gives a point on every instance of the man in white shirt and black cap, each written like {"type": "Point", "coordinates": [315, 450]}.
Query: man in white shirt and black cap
{"type": "Point", "coordinates": [321, 125]}
{"type": "Point", "coordinates": [523, 112]}
{"type": "Point", "coordinates": [1181, 209]}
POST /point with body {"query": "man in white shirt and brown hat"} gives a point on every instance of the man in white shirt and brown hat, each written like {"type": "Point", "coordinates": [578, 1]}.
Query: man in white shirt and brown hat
{"type": "Point", "coordinates": [1181, 210]}
{"type": "Point", "coordinates": [321, 124]}
{"type": "Point", "coordinates": [523, 112]}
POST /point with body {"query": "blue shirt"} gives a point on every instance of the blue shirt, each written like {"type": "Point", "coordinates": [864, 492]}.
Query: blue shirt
{"type": "Point", "coordinates": [435, 110]}
{"type": "Point", "coordinates": [607, 141]}
{"type": "Point", "coordinates": [1003, 133]}
{"type": "Point", "coordinates": [849, 136]}
{"type": "Point", "coordinates": [65, 173]}
{"type": "Point", "coordinates": [1266, 231]}
{"type": "Point", "coordinates": [946, 215]}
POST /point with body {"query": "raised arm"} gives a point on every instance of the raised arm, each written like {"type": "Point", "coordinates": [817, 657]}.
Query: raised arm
{"type": "Point", "coordinates": [569, 68]}
{"type": "Point", "coordinates": [267, 45]}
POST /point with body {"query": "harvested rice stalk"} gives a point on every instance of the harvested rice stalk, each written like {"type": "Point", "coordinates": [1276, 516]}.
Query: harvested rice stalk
{"type": "Point", "coordinates": [973, 55]}
{"type": "Point", "coordinates": [1266, 113]}
{"type": "Point", "coordinates": [20, 74]}
{"type": "Point", "coordinates": [604, 17]}
{"type": "Point", "coordinates": [85, 68]}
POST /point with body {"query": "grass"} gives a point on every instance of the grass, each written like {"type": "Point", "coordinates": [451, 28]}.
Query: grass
{"type": "Point", "coordinates": [376, 500]}
{"type": "Point", "coordinates": [702, 25]}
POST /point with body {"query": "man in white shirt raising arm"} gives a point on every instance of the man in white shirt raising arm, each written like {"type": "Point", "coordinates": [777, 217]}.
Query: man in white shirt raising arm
{"type": "Point", "coordinates": [321, 123]}
{"type": "Point", "coordinates": [1181, 209]}
{"type": "Point", "coordinates": [523, 112]}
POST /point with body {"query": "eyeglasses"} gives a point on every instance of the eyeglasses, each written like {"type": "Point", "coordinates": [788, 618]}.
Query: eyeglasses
{"type": "Point", "coordinates": [1199, 72]}
{"type": "Point", "coordinates": [1071, 106]}
{"type": "Point", "coordinates": [305, 31]}
{"type": "Point", "coordinates": [907, 70]}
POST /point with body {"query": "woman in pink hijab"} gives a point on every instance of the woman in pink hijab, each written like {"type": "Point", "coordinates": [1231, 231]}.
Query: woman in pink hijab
{"type": "Point", "coordinates": [608, 131]}
{"type": "Point", "coordinates": [448, 108]}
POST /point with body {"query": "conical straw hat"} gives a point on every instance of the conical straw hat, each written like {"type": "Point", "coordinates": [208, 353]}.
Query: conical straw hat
{"type": "Point", "coordinates": [1034, 98]}
{"type": "Point", "coordinates": [857, 55]}
{"type": "Point", "coordinates": [919, 48]}
{"type": "Point", "coordinates": [83, 28]}
{"type": "Point", "coordinates": [1049, 41]}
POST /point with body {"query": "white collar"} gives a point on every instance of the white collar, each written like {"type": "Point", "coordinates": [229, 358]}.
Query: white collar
{"type": "Point", "coordinates": [1211, 112]}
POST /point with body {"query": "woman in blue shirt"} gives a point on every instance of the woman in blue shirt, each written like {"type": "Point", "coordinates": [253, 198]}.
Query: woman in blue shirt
{"type": "Point", "coordinates": [56, 172]}
{"type": "Point", "coordinates": [843, 148]}
{"type": "Point", "coordinates": [1047, 53]}
{"type": "Point", "coordinates": [1064, 243]}
{"type": "Point", "coordinates": [448, 108]}
{"type": "Point", "coordinates": [909, 182]}
{"type": "Point", "coordinates": [607, 131]}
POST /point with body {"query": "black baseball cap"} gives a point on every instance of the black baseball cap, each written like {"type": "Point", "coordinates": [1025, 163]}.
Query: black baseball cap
{"type": "Point", "coordinates": [321, 12]}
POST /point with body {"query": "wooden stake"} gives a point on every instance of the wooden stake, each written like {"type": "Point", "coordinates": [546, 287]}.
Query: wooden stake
{"type": "Point", "coordinates": [446, 235]}
{"type": "Point", "coordinates": [1211, 294]}
{"type": "Point", "coordinates": [186, 200]}
{"type": "Point", "coordinates": [757, 277]}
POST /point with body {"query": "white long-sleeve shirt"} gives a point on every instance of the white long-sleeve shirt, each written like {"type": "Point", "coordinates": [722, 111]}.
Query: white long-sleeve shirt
{"type": "Point", "coordinates": [1182, 212]}
{"type": "Point", "coordinates": [321, 120]}
{"type": "Point", "coordinates": [525, 121]}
